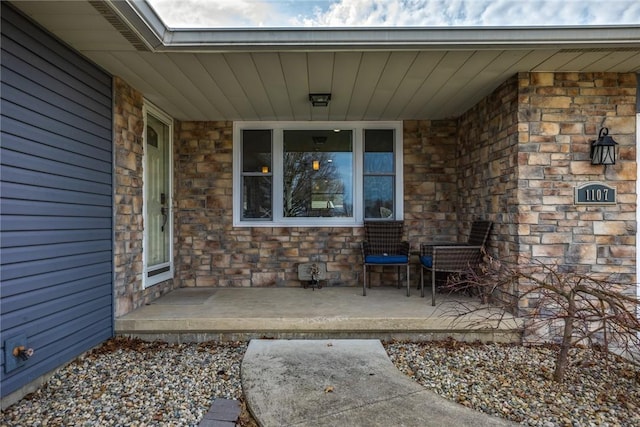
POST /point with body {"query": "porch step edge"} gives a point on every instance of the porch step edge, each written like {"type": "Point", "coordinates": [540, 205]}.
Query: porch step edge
{"type": "Point", "coordinates": [513, 336]}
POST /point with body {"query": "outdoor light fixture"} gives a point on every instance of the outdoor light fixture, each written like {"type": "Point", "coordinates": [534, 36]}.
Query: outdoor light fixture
{"type": "Point", "coordinates": [316, 165]}
{"type": "Point", "coordinates": [603, 149]}
{"type": "Point", "coordinates": [319, 99]}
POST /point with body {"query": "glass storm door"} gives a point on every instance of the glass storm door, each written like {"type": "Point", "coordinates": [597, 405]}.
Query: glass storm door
{"type": "Point", "coordinates": [158, 224]}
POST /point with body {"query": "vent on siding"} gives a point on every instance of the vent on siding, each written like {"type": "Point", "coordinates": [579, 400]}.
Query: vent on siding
{"type": "Point", "coordinates": [119, 25]}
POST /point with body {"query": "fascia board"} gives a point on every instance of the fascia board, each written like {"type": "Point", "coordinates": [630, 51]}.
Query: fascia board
{"type": "Point", "coordinates": [160, 38]}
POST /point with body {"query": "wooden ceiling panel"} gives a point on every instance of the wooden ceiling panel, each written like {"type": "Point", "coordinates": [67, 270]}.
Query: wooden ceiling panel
{"type": "Point", "coordinates": [222, 74]}
{"type": "Point", "coordinates": [394, 72]}
{"type": "Point", "coordinates": [294, 66]}
{"type": "Point", "coordinates": [458, 82]}
{"type": "Point", "coordinates": [412, 82]}
{"type": "Point", "coordinates": [504, 66]}
{"type": "Point", "coordinates": [372, 75]}
{"type": "Point", "coordinates": [130, 67]}
{"type": "Point", "coordinates": [247, 75]}
{"type": "Point", "coordinates": [116, 65]}
{"type": "Point", "coordinates": [369, 72]}
{"type": "Point", "coordinates": [269, 68]}
{"type": "Point", "coordinates": [620, 62]}
{"type": "Point", "coordinates": [582, 62]}
{"type": "Point", "coordinates": [51, 11]}
{"type": "Point", "coordinates": [436, 82]}
{"type": "Point", "coordinates": [198, 84]}
{"type": "Point", "coordinates": [346, 65]}
{"type": "Point", "coordinates": [320, 68]}
{"type": "Point", "coordinates": [166, 78]}
{"type": "Point", "coordinates": [556, 61]}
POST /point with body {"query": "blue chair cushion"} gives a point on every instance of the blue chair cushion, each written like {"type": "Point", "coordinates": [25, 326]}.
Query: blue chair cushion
{"type": "Point", "coordinates": [427, 260]}
{"type": "Point", "coordinates": [386, 259]}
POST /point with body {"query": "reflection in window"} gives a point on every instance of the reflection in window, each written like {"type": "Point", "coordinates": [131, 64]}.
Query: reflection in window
{"type": "Point", "coordinates": [318, 178]}
{"type": "Point", "coordinates": [257, 174]}
{"type": "Point", "coordinates": [379, 173]}
{"type": "Point", "coordinates": [316, 173]}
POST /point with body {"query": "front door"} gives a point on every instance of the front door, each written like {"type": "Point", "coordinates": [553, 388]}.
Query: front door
{"type": "Point", "coordinates": [157, 186]}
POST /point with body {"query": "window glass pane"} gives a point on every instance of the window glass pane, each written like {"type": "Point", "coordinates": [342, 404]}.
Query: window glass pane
{"type": "Point", "coordinates": [378, 147]}
{"type": "Point", "coordinates": [378, 196]}
{"type": "Point", "coordinates": [318, 173]}
{"type": "Point", "coordinates": [256, 197]}
{"type": "Point", "coordinates": [257, 173]}
{"type": "Point", "coordinates": [256, 150]}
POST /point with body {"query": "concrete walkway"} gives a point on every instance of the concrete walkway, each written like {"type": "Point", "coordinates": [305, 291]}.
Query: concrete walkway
{"type": "Point", "coordinates": [341, 383]}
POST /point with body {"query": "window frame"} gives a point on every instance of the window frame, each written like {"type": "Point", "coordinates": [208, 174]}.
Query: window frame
{"type": "Point", "coordinates": [278, 220]}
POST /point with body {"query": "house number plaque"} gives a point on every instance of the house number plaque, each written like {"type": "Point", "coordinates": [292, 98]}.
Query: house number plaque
{"type": "Point", "coordinates": [595, 193]}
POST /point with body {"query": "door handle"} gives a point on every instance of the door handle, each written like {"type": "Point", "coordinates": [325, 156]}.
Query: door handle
{"type": "Point", "coordinates": [165, 217]}
{"type": "Point", "coordinates": [163, 211]}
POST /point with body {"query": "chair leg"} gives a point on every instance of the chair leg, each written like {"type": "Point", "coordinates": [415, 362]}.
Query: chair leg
{"type": "Point", "coordinates": [398, 282]}
{"type": "Point", "coordinates": [421, 281]}
{"type": "Point", "coordinates": [433, 287]}
{"type": "Point", "coordinates": [364, 280]}
{"type": "Point", "coordinates": [408, 282]}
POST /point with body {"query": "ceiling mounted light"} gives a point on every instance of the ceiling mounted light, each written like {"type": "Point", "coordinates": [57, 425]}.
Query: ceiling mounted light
{"type": "Point", "coordinates": [320, 99]}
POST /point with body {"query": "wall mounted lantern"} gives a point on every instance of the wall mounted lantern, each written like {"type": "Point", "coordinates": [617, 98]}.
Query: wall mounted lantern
{"type": "Point", "coordinates": [316, 165]}
{"type": "Point", "coordinates": [319, 99]}
{"type": "Point", "coordinates": [603, 149]}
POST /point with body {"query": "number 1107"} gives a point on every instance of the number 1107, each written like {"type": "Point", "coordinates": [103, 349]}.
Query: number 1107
{"type": "Point", "coordinates": [599, 195]}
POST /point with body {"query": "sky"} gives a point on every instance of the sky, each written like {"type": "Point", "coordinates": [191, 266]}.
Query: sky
{"type": "Point", "coordinates": [394, 13]}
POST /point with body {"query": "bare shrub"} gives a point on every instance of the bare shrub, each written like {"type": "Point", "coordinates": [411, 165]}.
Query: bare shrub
{"type": "Point", "coordinates": [559, 304]}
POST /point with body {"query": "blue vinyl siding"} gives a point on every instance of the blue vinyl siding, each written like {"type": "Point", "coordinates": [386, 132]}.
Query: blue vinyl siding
{"type": "Point", "coordinates": [56, 186]}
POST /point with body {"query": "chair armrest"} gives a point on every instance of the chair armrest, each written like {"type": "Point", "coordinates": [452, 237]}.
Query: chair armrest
{"type": "Point", "coordinates": [426, 249]}
{"type": "Point", "coordinates": [391, 248]}
{"type": "Point", "coordinates": [456, 258]}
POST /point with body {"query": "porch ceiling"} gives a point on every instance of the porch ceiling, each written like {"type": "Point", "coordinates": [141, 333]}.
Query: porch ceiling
{"type": "Point", "coordinates": [372, 74]}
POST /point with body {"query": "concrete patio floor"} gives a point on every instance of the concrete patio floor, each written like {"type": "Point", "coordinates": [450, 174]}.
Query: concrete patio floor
{"type": "Point", "coordinates": [386, 313]}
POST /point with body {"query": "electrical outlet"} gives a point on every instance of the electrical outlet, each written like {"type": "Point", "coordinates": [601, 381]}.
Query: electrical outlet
{"type": "Point", "coordinates": [12, 362]}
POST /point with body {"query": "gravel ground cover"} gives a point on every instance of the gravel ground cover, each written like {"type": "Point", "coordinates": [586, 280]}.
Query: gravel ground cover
{"type": "Point", "coordinates": [514, 382]}
{"type": "Point", "coordinates": [133, 383]}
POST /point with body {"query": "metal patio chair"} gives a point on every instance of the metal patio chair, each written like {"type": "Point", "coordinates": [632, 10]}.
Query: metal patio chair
{"type": "Point", "coordinates": [453, 257]}
{"type": "Point", "coordinates": [383, 246]}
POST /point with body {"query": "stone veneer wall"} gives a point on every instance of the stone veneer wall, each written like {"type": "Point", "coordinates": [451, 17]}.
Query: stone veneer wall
{"type": "Point", "coordinates": [523, 150]}
{"type": "Point", "coordinates": [559, 115]}
{"type": "Point", "coordinates": [211, 252]}
{"type": "Point", "coordinates": [128, 226]}
{"type": "Point", "coordinates": [430, 188]}
{"type": "Point", "coordinates": [487, 171]}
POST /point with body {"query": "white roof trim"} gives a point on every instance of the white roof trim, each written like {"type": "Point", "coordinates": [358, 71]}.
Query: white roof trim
{"type": "Point", "coordinates": [143, 20]}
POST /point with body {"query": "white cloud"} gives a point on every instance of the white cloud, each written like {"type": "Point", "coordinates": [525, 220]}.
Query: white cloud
{"type": "Point", "coordinates": [217, 13]}
{"type": "Point", "coordinates": [358, 13]}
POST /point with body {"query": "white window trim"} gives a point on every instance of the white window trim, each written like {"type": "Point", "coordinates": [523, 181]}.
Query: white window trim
{"type": "Point", "coordinates": [358, 136]}
{"type": "Point", "coordinates": [167, 275]}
